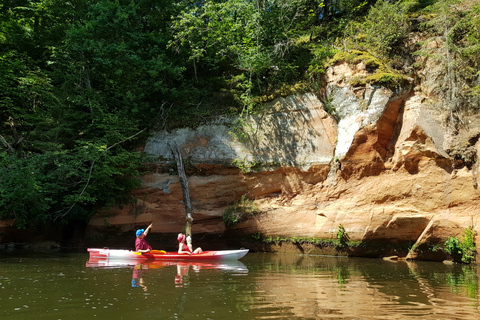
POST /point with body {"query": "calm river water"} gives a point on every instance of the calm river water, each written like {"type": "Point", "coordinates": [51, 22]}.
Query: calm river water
{"type": "Point", "coordinates": [259, 286]}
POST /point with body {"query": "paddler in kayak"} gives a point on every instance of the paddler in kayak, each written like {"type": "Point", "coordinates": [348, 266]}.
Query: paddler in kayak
{"type": "Point", "coordinates": [141, 245]}
{"type": "Point", "coordinates": [183, 248]}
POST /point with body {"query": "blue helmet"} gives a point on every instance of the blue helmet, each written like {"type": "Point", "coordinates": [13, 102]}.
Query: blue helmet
{"type": "Point", "coordinates": [140, 232]}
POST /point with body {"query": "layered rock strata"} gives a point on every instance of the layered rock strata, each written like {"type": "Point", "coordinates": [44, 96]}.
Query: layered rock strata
{"type": "Point", "coordinates": [379, 167]}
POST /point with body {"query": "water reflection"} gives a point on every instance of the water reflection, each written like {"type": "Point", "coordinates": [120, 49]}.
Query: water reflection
{"type": "Point", "coordinates": [323, 287]}
{"type": "Point", "coordinates": [137, 277]}
{"type": "Point", "coordinates": [260, 286]}
{"type": "Point", "coordinates": [182, 268]}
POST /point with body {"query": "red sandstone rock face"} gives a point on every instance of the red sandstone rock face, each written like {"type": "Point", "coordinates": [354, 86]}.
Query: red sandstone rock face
{"type": "Point", "coordinates": [161, 202]}
{"type": "Point", "coordinates": [394, 183]}
{"type": "Point", "coordinates": [429, 205]}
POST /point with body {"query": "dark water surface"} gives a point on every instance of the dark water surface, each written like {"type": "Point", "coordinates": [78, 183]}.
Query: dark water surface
{"type": "Point", "coordinates": [259, 286]}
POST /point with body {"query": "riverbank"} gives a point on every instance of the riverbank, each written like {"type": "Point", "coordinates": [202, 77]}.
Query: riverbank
{"type": "Point", "coordinates": [256, 244]}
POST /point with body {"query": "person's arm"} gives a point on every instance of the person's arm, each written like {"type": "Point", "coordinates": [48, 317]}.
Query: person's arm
{"type": "Point", "coordinates": [148, 229]}
{"type": "Point", "coordinates": [139, 245]}
{"type": "Point", "coordinates": [189, 243]}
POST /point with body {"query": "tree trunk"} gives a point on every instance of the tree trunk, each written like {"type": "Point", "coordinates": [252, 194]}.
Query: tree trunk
{"type": "Point", "coordinates": [183, 181]}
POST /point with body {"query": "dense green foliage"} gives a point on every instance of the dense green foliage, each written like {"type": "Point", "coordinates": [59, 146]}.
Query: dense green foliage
{"type": "Point", "coordinates": [466, 249]}
{"type": "Point", "coordinates": [460, 27]}
{"type": "Point", "coordinates": [82, 81]}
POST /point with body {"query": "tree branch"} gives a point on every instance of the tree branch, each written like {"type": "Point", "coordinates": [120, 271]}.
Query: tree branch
{"type": "Point", "coordinates": [7, 145]}
{"type": "Point", "coordinates": [184, 183]}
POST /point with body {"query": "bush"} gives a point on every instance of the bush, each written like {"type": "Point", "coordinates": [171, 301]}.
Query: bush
{"type": "Point", "coordinates": [382, 31]}
{"type": "Point", "coordinates": [466, 249]}
{"type": "Point", "coordinates": [239, 211]}
{"type": "Point", "coordinates": [453, 246]}
{"type": "Point", "coordinates": [469, 248]}
{"type": "Point", "coordinates": [342, 235]}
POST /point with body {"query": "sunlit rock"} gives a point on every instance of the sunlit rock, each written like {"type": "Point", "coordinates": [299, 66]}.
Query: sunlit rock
{"type": "Point", "coordinates": [384, 171]}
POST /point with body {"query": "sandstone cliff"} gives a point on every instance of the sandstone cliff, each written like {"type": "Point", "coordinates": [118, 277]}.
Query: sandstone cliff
{"type": "Point", "coordinates": [386, 167]}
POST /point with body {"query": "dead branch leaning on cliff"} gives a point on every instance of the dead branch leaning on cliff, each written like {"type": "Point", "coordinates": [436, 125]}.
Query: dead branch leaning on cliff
{"type": "Point", "coordinates": [184, 183]}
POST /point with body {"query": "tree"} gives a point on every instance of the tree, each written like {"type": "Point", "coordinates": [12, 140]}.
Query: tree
{"type": "Point", "coordinates": [459, 55]}
{"type": "Point", "coordinates": [255, 46]}
{"type": "Point", "coordinates": [67, 145]}
{"type": "Point", "coordinates": [116, 56]}
{"type": "Point", "coordinates": [185, 191]}
{"type": "Point", "coordinates": [381, 32]}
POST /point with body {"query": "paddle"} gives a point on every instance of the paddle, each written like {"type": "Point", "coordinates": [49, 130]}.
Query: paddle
{"type": "Point", "coordinates": [151, 252]}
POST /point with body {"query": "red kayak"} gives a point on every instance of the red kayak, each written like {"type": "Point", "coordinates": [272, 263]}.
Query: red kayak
{"type": "Point", "coordinates": [106, 253]}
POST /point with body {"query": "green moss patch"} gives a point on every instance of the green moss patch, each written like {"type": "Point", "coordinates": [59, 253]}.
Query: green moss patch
{"type": "Point", "coordinates": [379, 72]}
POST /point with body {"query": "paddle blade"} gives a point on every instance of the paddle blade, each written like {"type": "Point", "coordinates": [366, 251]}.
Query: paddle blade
{"type": "Point", "coordinates": [151, 252]}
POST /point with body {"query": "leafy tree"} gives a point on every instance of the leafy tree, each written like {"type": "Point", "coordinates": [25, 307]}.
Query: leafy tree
{"type": "Point", "coordinates": [464, 40]}
{"type": "Point", "coordinates": [459, 55]}
{"type": "Point", "coordinates": [381, 31]}
{"type": "Point", "coordinates": [67, 146]}
{"type": "Point", "coordinates": [120, 60]}
{"type": "Point", "coordinates": [255, 46]}
{"type": "Point", "coordinates": [82, 81]}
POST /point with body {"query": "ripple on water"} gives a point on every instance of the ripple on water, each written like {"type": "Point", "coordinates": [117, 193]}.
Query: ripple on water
{"type": "Point", "coordinates": [265, 287]}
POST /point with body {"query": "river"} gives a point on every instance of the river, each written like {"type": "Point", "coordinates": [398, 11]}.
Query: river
{"type": "Point", "coordinates": [259, 286]}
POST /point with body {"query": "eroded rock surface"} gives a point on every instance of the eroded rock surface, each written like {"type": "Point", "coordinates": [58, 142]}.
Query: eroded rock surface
{"type": "Point", "coordinates": [383, 170]}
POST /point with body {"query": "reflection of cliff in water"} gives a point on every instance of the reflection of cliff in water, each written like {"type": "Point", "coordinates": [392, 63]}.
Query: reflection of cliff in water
{"type": "Point", "coordinates": [461, 279]}
{"type": "Point", "coordinates": [331, 287]}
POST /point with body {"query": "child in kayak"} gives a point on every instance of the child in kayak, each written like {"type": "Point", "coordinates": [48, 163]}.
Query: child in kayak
{"type": "Point", "coordinates": [183, 248]}
{"type": "Point", "coordinates": [141, 245]}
